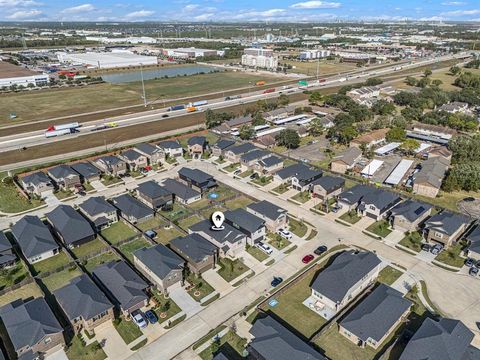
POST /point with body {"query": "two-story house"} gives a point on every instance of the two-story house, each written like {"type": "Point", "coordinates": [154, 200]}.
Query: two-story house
{"type": "Point", "coordinates": [135, 160]}
{"type": "Point", "coordinates": [154, 195]}
{"type": "Point", "coordinates": [171, 148]}
{"type": "Point", "coordinates": [200, 254]}
{"type": "Point", "coordinates": [221, 146]}
{"type": "Point", "coordinates": [275, 217]}
{"type": "Point", "coordinates": [153, 153]}
{"type": "Point", "coordinates": [350, 199]}
{"type": "Point", "coordinates": [7, 256]}
{"type": "Point", "coordinates": [197, 179]}
{"type": "Point", "coordinates": [65, 177]}
{"type": "Point", "coordinates": [303, 180]}
{"type": "Point", "coordinates": [87, 171]}
{"type": "Point", "coordinates": [252, 226]}
{"type": "Point", "coordinates": [409, 215]}
{"type": "Point", "coordinates": [37, 183]}
{"type": "Point", "coordinates": [99, 211]}
{"type": "Point", "coordinates": [327, 187]}
{"type": "Point", "coordinates": [196, 145]}
{"type": "Point", "coordinates": [269, 165]}
{"type": "Point", "coordinates": [234, 153]}
{"type": "Point", "coordinates": [181, 192]}
{"type": "Point", "coordinates": [377, 203]}
{"type": "Point", "coordinates": [248, 160]}
{"type": "Point", "coordinates": [111, 165]}
{"type": "Point", "coordinates": [445, 228]}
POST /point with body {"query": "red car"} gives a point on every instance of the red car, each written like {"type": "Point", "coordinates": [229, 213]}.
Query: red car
{"type": "Point", "coordinates": [307, 258]}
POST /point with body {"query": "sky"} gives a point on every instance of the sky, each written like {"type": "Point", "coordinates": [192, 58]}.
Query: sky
{"type": "Point", "coordinates": [238, 10]}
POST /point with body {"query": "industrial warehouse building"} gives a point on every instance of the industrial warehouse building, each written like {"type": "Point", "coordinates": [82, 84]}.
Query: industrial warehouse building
{"type": "Point", "coordinates": [104, 60]}
{"type": "Point", "coordinates": [15, 75]}
{"type": "Point", "coordinates": [190, 53]}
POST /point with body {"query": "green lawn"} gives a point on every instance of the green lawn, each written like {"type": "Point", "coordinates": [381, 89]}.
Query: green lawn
{"type": "Point", "coordinates": [234, 350]}
{"type": "Point", "coordinates": [78, 351]}
{"type": "Point", "coordinates": [351, 217]}
{"type": "Point", "coordinates": [301, 197]}
{"type": "Point", "coordinates": [165, 308]}
{"type": "Point", "coordinates": [118, 232]}
{"type": "Point", "coordinates": [101, 259]}
{"type": "Point", "coordinates": [239, 202]}
{"type": "Point", "coordinates": [282, 188]}
{"type": "Point", "coordinates": [256, 253]}
{"type": "Point", "coordinates": [297, 227]}
{"type": "Point", "coordinates": [63, 194]}
{"type": "Point", "coordinates": [412, 241]}
{"type": "Point", "coordinates": [380, 228]}
{"type": "Point", "coordinates": [231, 269]}
{"type": "Point", "coordinates": [207, 213]}
{"type": "Point", "coordinates": [165, 235]}
{"type": "Point", "coordinates": [451, 256]}
{"type": "Point", "coordinates": [389, 275]}
{"type": "Point", "coordinates": [10, 199]}
{"type": "Point", "coordinates": [186, 223]}
{"type": "Point", "coordinates": [224, 192]}
{"type": "Point", "coordinates": [246, 173]}
{"type": "Point", "coordinates": [127, 329]}
{"type": "Point", "coordinates": [263, 180]}
{"type": "Point", "coordinates": [110, 180]}
{"type": "Point", "coordinates": [61, 278]}
{"type": "Point", "coordinates": [176, 212]}
{"type": "Point", "coordinates": [232, 167]}
{"type": "Point", "coordinates": [95, 246]}
{"type": "Point", "coordinates": [199, 288]}
{"type": "Point", "coordinates": [51, 264]}
{"type": "Point", "coordinates": [29, 291]}
{"type": "Point", "coordinates": [129, 248]}
{"type": "Point", "coordinates": [151, 224]}
{"type": "Point", "coordinates": [14, 275]}
{"type": "Point", "coordinates": [277, 241]}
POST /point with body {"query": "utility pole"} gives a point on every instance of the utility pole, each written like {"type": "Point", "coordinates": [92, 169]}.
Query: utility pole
{"type": "Point", "coordinates": [143, 86]}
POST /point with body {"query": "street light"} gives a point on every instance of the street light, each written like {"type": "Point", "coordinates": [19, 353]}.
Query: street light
{"type": "Point", "coordinates": [143, 86]}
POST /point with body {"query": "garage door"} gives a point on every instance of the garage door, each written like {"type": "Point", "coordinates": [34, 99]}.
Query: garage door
{"type": "Point", "coordinates": [372, 216]}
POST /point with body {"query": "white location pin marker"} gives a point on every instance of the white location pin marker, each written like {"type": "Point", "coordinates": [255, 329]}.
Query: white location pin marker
{"type": "Point", "coordinates": [218, 218]}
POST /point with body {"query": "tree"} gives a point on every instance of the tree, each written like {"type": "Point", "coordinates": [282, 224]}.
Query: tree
{"type": "Point", "coordinates": [455, 70]}
{"type": "Point", "coordinates": [315, 127]}
{"type": "Point", "coordinates": [373, 82]}
{"type": "Point", "coordinates": [258, 119]}
{"type": "Point", "coordinates": [411, 81]}
{"type": "Point", "coordinates": [246, 132]}
{"type": "Point", "coordinates": [283, 100]}
{"type": "Point", "coordinates": [409, 146]}
{"type": "Point", "coordinates": [427, 72]}
{"type": "Point", "coordinates": [396, 134]}
{"type": "Point", "coordinates": [383, 107]}
{"type": "Point", "coordinates": [437, 82]}
{"type": "Point", "coordinates": [288, 138]}
{"type": "Point", "coordinates": [315, 98]}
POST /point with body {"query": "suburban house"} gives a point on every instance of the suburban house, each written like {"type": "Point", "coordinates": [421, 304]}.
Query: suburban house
{"type": "Point", "coordinates": [428, 181]}
{"type": "Point", "coordinates": [234, 153]}
{"type": "Point", "coordinates": [182, 193]}
{"type": "Point", "coordinates": [441, 340]}
{"type": "Point", "coordinates": [34, 239]}
{"type": "Point", "coordinates": [135, 161]}
{"type": "Point", "coordinates": [65, 177]}
{"type": "Point", "coordinates": [37, 183]}
{"type": "Point", "coordinates": [200, 254]}
{"type": "Point", "coordinates": [123, 285]}
{"type": "Point", "coordinates": [455, 107]}
{"type": "Point", "coordinates": [303, 179]}
{"type": "Point", "coordinates": [196, 179]}
{"type": "Point", "coordinates": [376, 317]}
{"type": "Point", "coordinates": [285, 175]}
{"type": "Point", "coordinates": [327, 187]}
{"type": "Point", "coordinates": [21, 318]}
{"type": "Point", "coordinates": [372, 138]}
{"type": "Point", "coordinates": [131, 209]}
{"type": "Point", "coordinates": [155, 196]}
{"type": "Point", "coordinates": [346, 161]}
{"type": "Point", "coordinates": [273, 341]}
{"type": "Point", "coordinates": [229, 125]}
{"type": "Point", "coordinates": [274, 216]}
{"type": "Point", "coordinates": [161, 266]}
{"type": "Point", "coordinates": [196, 145]}
{"type": "Point", "coordinates": [111, 165]}
{"type": "Point", "coordinates": [376, 203]}
{"type": "Point", "coordinates": [99, 211]}
{"type": "Point", "coordinates": [349, 274]}
{"type": "Point", "coordinates": [266, 141]}
{"type": "Point", "coordinates": [153, 154]}
{"type": "Point", "coordinates": [221, 146]}
{"type": "Point", "coordinates": [409, 215]}
{"type": "Point", "coordinates": [350, 198]}
{"type": "Point", "coordinates": [473, 239]}
{"type": "Point", "coordinates": [249, 159]}
{"type": "Point", "coordinates": [171, 148]}
{"type": "Point", "coordinates": [84, 304]}
{"type": "Point", "coordinates": [7, 257]}
{"type": "Point", "coordinates": [445, 228]}
{"type": "Point", "coordinates": [269, 165]}
{"type": "Point", "coordinates": [87, 171]}
{"type": "Point", "coordinates": [230, 240]}
{"type": "Point", "coordinates": [249, 224]}
{"type": "Point", "coordinates": [279, 113]}
{"type": "Point", "coordinates": [70, 227]}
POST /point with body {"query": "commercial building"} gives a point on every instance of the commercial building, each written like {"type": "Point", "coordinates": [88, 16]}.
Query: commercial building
{"type": "Point", "coordinates": [12, 75]}
{"type": "Point", "coordinates": [105, 60]}
{"type": "Point", "coordinates": [189, 53]}
{"type": "Point", "coordinates": [262, 58]}
{"type": "Point", "coordinates": [313, 54]}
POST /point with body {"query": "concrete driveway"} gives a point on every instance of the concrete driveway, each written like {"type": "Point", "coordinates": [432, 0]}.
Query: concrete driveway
{"type": "Point", "coordinates": [217, 282]}
{"type": "Point", "coordinates": [185, 301]}
{"type": "Point", "coordinates": [98, 185]}
{"type": "Point", "coordinates": [51, 200]}
{"type": "Point", "coordinates": [112, 342]}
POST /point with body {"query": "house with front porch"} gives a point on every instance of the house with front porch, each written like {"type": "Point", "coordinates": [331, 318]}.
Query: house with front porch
{"type": "Point", "coordinates": [327, 187]}
{"type": "Point", "coordinates": [37, 183]}
{"type": "Point", "coordinates": [269, 165]}
{"type": "Point", "coordinates": [111, 165]}
{"type": "Point", "coordinates": [196, 146]}
{"type": "Point", "coordinates": [153, 153]}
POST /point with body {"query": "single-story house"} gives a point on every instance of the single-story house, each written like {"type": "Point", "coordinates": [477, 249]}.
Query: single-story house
{"type": "Point", "coordinates": [37, 183]}
{"type": "Point", "coordinates": [249, 224]}
{"type": "Point", "coordinates": [197, 179]}
{"type": "Point", "coordinates": [135, 160]}
{"type": "Point", "coordinates": [65, 177]}
{"type": "Point", "coordinates": [445, 228]}
{"type": "Point", "coordinates": [161, 266]}
{"type": "Point", "coordinates": [409, 214]}
{"type": "Point", "coordinates": [153, 153]}
{"type": "Point", "coordinates": [346, 161]}
{"type": "Point", "coordinates": [154, 195]}
{"type": "Point", "coordinates": [34, 239]}
{"type": "Point", "coordinates": [196, 145]}
{"type": "Point", "coordinates": [473, 239]}
{"type": "Point", "coordinates": [171, 148]}
{"type": "Point", "coordinates": [439, 131]}
{"type": "Point", "coordinates": [131, 209]}
{"type": "Point", "coordinates": [31, 327]}
{"type": "Point", "coordinates": [372, 138]}
{"type": "Point", "coordinates": [377, 203]}
{"type": "Point", "coordinates": [428, 181]}
{"type": "Point", "coordinates": [182, 193]}
{"type": "Point", "coordinates": [200, 254]}
{"type": "Point", "coordinates": [70, 227]}
{"type": "Point", "coordinates": [84, 304]}
{"type": "Point", "coordinates": [123, 285]}
{"type": "Point", "coordinates": [376, 317]}
{"type": "Point", "coordinates": [346, 277]}
{"type": "Point", "coordinates": [221, 146]}
{"type": "Point", "coordinates": [274, 216]}
{"type": "Point", "coordinates": [7, 257]}
{"type": "Point", "coordinates": [234, 153]}
{"type": "Point", "coordinates": [266, 141]}
{"type": "Point", "coordinates": [111, 165]}
{"type": "Point", "coordinates": [87, 171]}
{"type": "Point", "coordinates": [248, 159]}
{"type": "Point", "coordinates": [350, 198]}
{"type": "Point", "coordinates": [327, 187]}
{"type": "Point", "coordinates": [99, 211]}
{"type": "Point", "coordinates": [269, 165]}
{"type": "Point", "coordinates": [279, 113]}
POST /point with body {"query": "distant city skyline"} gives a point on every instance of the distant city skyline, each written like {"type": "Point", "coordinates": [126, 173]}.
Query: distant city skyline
{"type": "Point", "coordinates": [238, 11]}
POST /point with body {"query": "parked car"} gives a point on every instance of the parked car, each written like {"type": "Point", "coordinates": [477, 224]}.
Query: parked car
{"type": "Point", "coordinates": [254, 176]}
{"type": "Point", "coordinates": [151, 317]}
{"type": "Point", "coordinates": [436, 249]}
{"type": "Point", "coordinates": [265, 248]}
{"type": "Point", "coordinates": [276, 281]}
{"type": "Point", "coordinates": [469, 262]}
{"type": "Point", "coordinates": [236, 172]}
{"type": "Point", "coordinates": [426, 247]}
{"type": "Point", "coordinates": [320, 250]}
{"type": "Point", "coordinates": [307, 258]}
{"type": "Point", "coordinates": [473, 271]}
{"type": "Point", "coordinates": [335, 208]}
{"type": "Point", "coordinates": [139, 319]}
{"type": "Point", "coordinates": [285, 234]}
{"type": "Point", "coordinates": [150, 234]}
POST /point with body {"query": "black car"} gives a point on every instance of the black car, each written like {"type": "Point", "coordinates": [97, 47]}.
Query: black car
{"type": "Point", "coordinates": [473, 271]}
{"type": "Point", "coordinates": [276, 281]}
{"type": "Point", "coordinates": [320, 250]}
{"type": "Point", "coordinates": [426, 247]}
{"type": "Point", "coordinates": [254, 176]}
{"type": "Point", "coordinates": [469, 262]}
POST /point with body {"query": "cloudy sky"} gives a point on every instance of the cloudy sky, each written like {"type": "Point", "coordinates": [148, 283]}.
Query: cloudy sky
{"type": "Point", "coordinates": [238, 10]}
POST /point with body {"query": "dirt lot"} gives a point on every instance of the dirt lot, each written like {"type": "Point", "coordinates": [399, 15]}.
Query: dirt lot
{"type": "Point", "coordinates": [10, 70]}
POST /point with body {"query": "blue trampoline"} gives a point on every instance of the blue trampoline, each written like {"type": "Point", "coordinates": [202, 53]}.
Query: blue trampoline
{"type": "Point", "coordinates": [213, 196]}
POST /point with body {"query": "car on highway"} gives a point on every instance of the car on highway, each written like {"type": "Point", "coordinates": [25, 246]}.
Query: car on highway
{"type": "Point", "coordinates": [265, 248]}
{"type": "Point", "coordinates": [285, 234]}
{"type": "Point", "coordinates": [276, 281]}
{"type": "Point", "coordinates": [139, 319]}
{"type": "Point", "coordinates": [307, 258]}
{"type": "Point", "coordinates": [151, 317]}
{"type": "Point", "coordinates": [320, 250]}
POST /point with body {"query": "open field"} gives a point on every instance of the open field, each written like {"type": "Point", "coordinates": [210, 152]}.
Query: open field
{"type": "Point", "coordinates": [325, 67]}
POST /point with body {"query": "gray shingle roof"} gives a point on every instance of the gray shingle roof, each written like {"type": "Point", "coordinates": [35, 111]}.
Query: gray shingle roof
{"type": "Point", "coordinates": [474, 238]}
{"type": "Point", "coordinates": [130, 206]}
{"type": "Point", "coordinates": [195, 246]}
{"type": "Point", "coordinates": [169, 144]}
{"type": "Point", "coordinates": [446, 339]}
{"type": "Point", "coordinates": [273, 341]}
{"type": "Point", "coordinates": [110, 160]}
{"type": "Point", "coordinates": [242, 148]}
{"type": "Point", "coordinates": [270, 161]}
{"type": "Point", "coordinates": [197, 140]}
{"type": "Point", "coordinates": [70, 224]}
{"type": "Point", "coordinates": [267, 209]}
{"type": "Point", "coordinates": [376, 314]}
{"type": "Point", "coordinates": [6, 253]}
{"type": "Point", "coordinates": [197, 176]}
{"type": "Point", "coordinates": [86, 170]}
{"type": "Point", "coordinates": [33, 236]}
{"type": "Point", "coordinates": [350, 156]}
{"type": "Point", "coordinates": [254, 155]}
{"type": "Point", "coordinates": [179, 189]}
{"type": "Point", "coordinates": [152, 189]}
{"type": "Point", "coordinates": [228, 235]}
{"type": "Point", "coordinates": [4, 243]}
{"type": "Point", "coordinates": [292, 170]}
{"type": "Point", "coordinates": [446, 222]}
{"type": "Point", "coordinates": [131, 155]}
{"type": "Point", "coordinates": [432, 172]}
{"type": "Point", "coordinates": [147, 148]}
{"type": "Point", "coordinates": [30, 322]}
{"type": "Point", "coordinates": [122, 282]}
{"type": "Point", "coordinates": [355, 194]}
{"type": "Point", "coordinates": [82, 298]}
{"type": "Point", "coordinates": [96, 205]}
{"type": "Point", "coordinates": [245, 221]}
{"type": "Point", "coordinates": [37, 178]}
{"type": "Point", "coordinates": [382, 199]}
{"type": "Point", "coordinates": [239, 120]}
{"type": "Point", "coordinates": [160, 260]}
{"type": "Point", "coordinates": [223, 144]}
{"type": "Point", "coordinates": [411, 209]}
{"type": "Point", "coordinates": [344, 272]}
{"type": "Point", "coordinates": [330, 183]}
{"type": "Point", "coordinates": [62, 171]}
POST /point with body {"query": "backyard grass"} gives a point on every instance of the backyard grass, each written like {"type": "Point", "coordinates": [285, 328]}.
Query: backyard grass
{"type": "Point", "coordinates": [176, 212]}
{"type": "Point", "coordinates": [257, 253]}
{"type": "Point", "coordinates": [297, 227]}
{"type": "Point", "coordinates": [449, 200]}
{"type": "Point", "coordinates": [78, 351]}
{"type": "Point", "coordinates": [278, 242]}
{"type": "Point", "coordinates": [95, 246]}
{"type": "Point", "coordinates": [263, 180]}
{"type": "Point", "coordinates": [118, 232]}
{"type": "Point", "coordinates": [413, 241]}
{"type": "Point", "coordinates": [129, 248]}
{"type": "Point", "coordinates": [127, 329]}
{"type": "Point", "coordinates": [165, 235]}
{"type": "Point", "coordinates": [14, 275]}
{"type": "Point", "coordinates": [199, 287]}
{"type": "Point", "coordinates": [26, 292]}
{"type": "Point", "coordinates": [232, 167]}
{"type": "Point", "coordinates": [101, 259]}
{"type": "Point", "coordinates": [239, 202]}
{"type": "Point", "coordinates": [224, 192]}
{"type": "Point", "coordinates": [186, 223]}
{"type": "Point", "coordinates": [51, 264]}
{"type": "Point", "coordinates": [389, 275]}
{"type": "Point", "coordinates": [10, 199]}
{"type": "Point", "coordinates": [165, 308]}
{"type": "Point", "coordinates": [231, 345]}
{"type": "Point", "coordinates": [246, 173]}
{"type": "Point", "coordinates": [380, 228]}
{"type": "Point", "coordinates": [231, 269]}
{"type": "Point", "coordinates": [351, 217]}
{"type": "Point", "coordinates": [207, 213]}
{"type": "Point", "coordinates": [302, 197]}
{"type": "Point", "coordinates": [451, 256]}
{"type": "Point", "coordinates": [282, 188]}
{"type": "Point", "coordinates": [153, 223]}
{"type": "Point", "coordinates": [61, 278]}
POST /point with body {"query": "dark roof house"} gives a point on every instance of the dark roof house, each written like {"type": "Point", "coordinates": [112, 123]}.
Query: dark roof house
{"type": "Point", "coordinates": [7, 256]}
{"type": "Point", "coordinates": [96, 205]}
{"type": "Point", "coordinates": [180, 190]}
{"type": "Point", "coordinates": [447, 222]}
{"type": "Point", "coordinates": [244, 221]}
{"type": "Point", "coordinates": [353, 195]}
{"type": "Point", "coordinates": [267, 209]}
{"type": "Point", "coordinates": [197, 178]}
{"type": "Point", "coordinates": [411, 209]}
{"type": "Point", "coordinates": [86, 170]}
{"type": "Point", "coordinates": [131, 208]}
{"type": "Point", "coordinates": [160, 260]}
{"type": "Point", "coordinates": [329, 183]}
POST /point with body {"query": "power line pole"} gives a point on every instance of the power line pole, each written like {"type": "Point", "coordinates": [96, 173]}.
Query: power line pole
{"type": "Point", "coordinates": [143, 86]}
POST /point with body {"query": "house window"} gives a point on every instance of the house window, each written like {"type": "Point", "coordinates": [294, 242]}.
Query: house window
{"type": "Point", "coordinates": [438, 235]}
{"type": "Point", "coordinates": [372, 207]}
{"type": "Point", "coordinates": [47, 340]}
